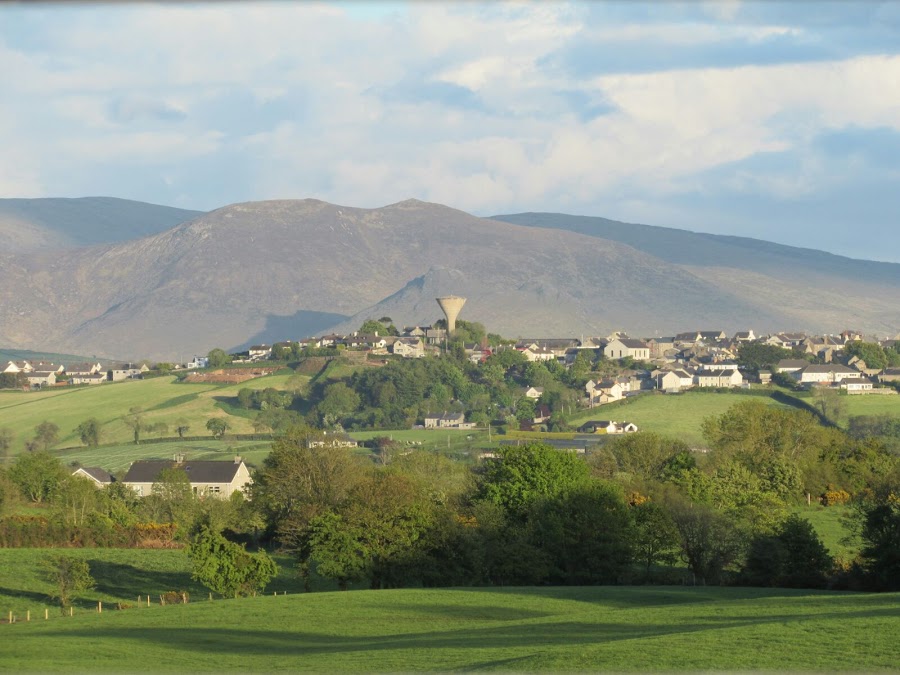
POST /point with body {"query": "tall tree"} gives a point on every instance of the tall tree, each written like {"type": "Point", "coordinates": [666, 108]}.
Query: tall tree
{"type": "Point", "coordinates": [38, 475]}
{"type": "Point", "coordinates": [89, 432]}
{"type": "Point", "coordinates": [227, 568]}
{"type": "Point", "coordinates": [46, 435]}
{"type": "Point", "coordinates": [218, 358]}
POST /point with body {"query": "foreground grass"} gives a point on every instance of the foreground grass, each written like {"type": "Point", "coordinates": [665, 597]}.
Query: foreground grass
{"type": "Point", "coordinates": [121, 575]}
{"type": "Point", "coordinates": [514, 629]}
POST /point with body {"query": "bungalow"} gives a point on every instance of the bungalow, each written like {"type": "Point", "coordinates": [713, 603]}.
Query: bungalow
{"type": "Point", "coordinates": [790, 365]}
{"type": "Point", "coordinates": [99, 477]}
{"type": "Point", "coordinates": [534, 392]}
{"type": "Point", "coordinates": [693, 337]}
{"type": "Point", "coordinates": [607, 427]}
{"type": "Point", "coordinates": [212, 477]}
{"type": "Point", "coordinates": [861, 386]}
{"type": "Point", "coordinates": [744, 336]}
{"type": "Point", "coordinates": [97, 378]}
{"type": "Point", "coordinates": [127, 371]}
{"type": "Point", "coordinates": [621, 348]}
{"type": "Point", "coordinates": [829, 372]}
{"type": "Point", "coordinates": [335, 439]}
{"type": "Point", "coordinates": [84, 369]}
{"type": "Point", "coordinates": [786, 340]}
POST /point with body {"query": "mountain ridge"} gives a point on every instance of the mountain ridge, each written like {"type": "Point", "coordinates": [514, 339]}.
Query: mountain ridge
{"type": "Point", "coordinates": [247, 271]}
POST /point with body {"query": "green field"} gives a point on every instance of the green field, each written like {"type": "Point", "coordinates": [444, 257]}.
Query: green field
{"type": "Point", "coordinates": [831, 528]}
{"type": "Point", "coordinates": [675, 415]}
{"type": "Point", "coordinates": [162, 398]}
{"type": "Point", "coordinates": [513, 629]}
{"type": "Point", "coordinates": [115, 458]}
{"type": "Point", "coordinates": [680, 415]}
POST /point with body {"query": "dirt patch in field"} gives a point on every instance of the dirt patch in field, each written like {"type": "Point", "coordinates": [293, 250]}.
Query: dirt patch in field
{"type": "Point", "coordinates": [229, 375]}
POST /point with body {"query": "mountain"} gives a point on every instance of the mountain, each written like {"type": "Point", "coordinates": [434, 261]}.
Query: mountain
{"type": "Point", "coordinates": [286, 269]}
{"type": "Point", "coordinates": [32, 225]}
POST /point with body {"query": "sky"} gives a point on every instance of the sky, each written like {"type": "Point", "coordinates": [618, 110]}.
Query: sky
{"type": "Point", "coordinates": [778, 121]}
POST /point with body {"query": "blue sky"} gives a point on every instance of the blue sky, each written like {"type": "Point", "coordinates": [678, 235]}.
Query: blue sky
{"type": "Point", "coordinates": [779, 121]}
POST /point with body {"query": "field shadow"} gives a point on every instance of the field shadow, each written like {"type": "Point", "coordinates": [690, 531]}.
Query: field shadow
{"type": "Point", "coordinates": [127, 581]}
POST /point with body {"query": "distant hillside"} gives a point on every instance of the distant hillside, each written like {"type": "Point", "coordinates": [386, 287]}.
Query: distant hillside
{"type": "Point", "coordinates": [33, 225]}
{"type": "Point", "coordinates": [287, 269]}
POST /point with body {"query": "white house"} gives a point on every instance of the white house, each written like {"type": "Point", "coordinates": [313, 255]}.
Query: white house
{"type": "Point", "coordinates": [621, 348]}
{"type": "Point", "coordinates": [210, 478]}
{"type": "Point", "coordinates": [448, 421]}
{"type": "Point", "coordinates": [829, 372]}
{"type": "Point", "coordinates": [99, 477]}
{"type": "Point", "coordinates": [730, 377]}
{"type": "Point", "coordinates": [607, 427]}
{"type": "Point", "coordinates": [534, 392]}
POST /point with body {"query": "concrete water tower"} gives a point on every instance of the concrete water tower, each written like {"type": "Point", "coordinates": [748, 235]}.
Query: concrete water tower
{"type": "Point", "coordinates": [451, 304]}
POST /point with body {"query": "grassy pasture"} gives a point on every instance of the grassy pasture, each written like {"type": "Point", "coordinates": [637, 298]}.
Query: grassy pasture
{"type": "Point", "coordinates": [831, 528]}
{"type": "Point", "coordinates": [118, 457]}
{"type": "Point", "coordinates": [162, 398]}
{"type": "Point", "coordinates": [512, 629]}
{"type": "Point", "coordinates": [675, 415]}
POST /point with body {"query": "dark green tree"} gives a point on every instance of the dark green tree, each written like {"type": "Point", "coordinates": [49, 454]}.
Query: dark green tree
{"type": "Point", "coordinates": [217, 426]}
{"type": "Point", "coordinates": [38, 475]}
{"type": "Point", "coordinates": [521, 474]}
{"type": "Point", "coordinates": [227, 568]}
{"type": "Point", "coordinates": [654, 535]}
{"type": "Point", "coordinates": [218, 358]}
{"type": "Point", "coordinates": [46, 435]}
{"type": "Point", "coordinates": [89, 432]}
{"type": "Point", "coordinates": [69, 576]}
{"type": "Point", "coordinates": [792, 557]}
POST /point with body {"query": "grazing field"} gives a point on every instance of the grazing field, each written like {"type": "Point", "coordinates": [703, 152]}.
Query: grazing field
{"type": "Point", "coordinates": [873, 405]}
{"type": "Point", "coordinates": [162, 399]}
{"type": "Point", "coordinates": [512, 629]}
{"type": "Point", "coordinates": [117, 458]}
{"type": "Point", "coordinates": [830, 524]}
{"type": "Point", "coordinates": [121, 575]}
{"type": "Point", "coordinates": [675, 415]}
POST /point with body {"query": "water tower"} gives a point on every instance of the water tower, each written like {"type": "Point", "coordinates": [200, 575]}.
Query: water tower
{"type": "Point", "coordinates": [451, 304]}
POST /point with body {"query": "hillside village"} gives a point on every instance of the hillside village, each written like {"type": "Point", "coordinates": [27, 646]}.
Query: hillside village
{"type": "Point", "coordinates": [672, 364]}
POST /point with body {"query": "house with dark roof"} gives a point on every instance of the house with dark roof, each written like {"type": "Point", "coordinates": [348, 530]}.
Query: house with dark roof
{"type": "Point", "coordinates": [621, 348]}
{"type": "Point", "coordinates": [607, 427]}
{"type": "Point", "coordinates": [216, 478]}
{"type": "Point", "coordinates": [829, 372]}
{"type": "Point", "coordinates": [99, 477]}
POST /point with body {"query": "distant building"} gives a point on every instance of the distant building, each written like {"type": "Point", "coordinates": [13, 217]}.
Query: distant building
{"type": "Point", "coordinates": [99, 477]}
{"type": "Point", "coordinates": [212, 478]}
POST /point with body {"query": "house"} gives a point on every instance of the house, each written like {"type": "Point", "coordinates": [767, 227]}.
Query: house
{"type": "Point", "coordinates": [862, 385]}
{"type": "Point", "coordinates": [621, 348]}
{"type": "Point", "coordinates": [435, 336]}
{"type": "Point", "coordinates": [693, 337]}
{"type": "Point", "coordinates": [673, 380]}
{"type": "Point", "coordinates": [541, 414]}
{"type": "Point", "coordinates": [211, 477]}
{"type": "Point", "coordinates": [99, 477]}
{"type": "Point", "coordinates": [198, 362]}
{"type": "Point", "coordinates": [889, 375]}
{"type": "Point", "coordinates": [790, 365]}
{"type": "Point", "coordinates": [744, 336]}
{"type": "Point", "coordinates": [729, 377]}
{"type": "Point", "coordinates": [659, 346]}
{"type": "Point", "coordinates": [448, 421]}
{"type": "Point", "coordinates": [408, 347]}
{"type": "Point", "coordinates": [534, 392]}
{"type": "Point", "coordinates": [16, 367]}
{"type": "Point", "coordinates": [335, 439]}
{"type": "Point", "coordinates": [127, 371]}
{"type": "Point", "coordinates": [259, 352]}
{"type": "Point", "coordinates": [785, 340]}
{"type": "Point", "coordinates": [97, 378]}
{"type": "Point", "coordinates": [607, 427]}
{"type": "Point", "coordinates": [829, 372]}
{"type": "Point", "coordinates": [41, 378]}
{"type": "Point", "coordinates": [84, 369]}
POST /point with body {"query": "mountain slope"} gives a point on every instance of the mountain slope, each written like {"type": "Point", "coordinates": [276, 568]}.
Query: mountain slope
{"type": "Point", "coordinates": [32, 225]}
{"type": "Point", "coordinates": [286, 269]}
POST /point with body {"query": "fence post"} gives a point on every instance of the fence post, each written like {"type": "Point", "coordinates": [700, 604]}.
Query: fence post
{"type": "Point", "coordinates": [46, 614]}
{"type": "Point", "coordinates": [28, 616]}
{"type": "Point", "coordinates": [99, 607]}
{"type": "Point", "coordinates": [71, 611]}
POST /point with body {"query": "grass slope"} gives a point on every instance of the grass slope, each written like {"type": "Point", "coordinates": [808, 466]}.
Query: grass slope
{"type": "Point", "coordinates": [162, 398]}
{"type": "Point", "coordinates": [513, 629]}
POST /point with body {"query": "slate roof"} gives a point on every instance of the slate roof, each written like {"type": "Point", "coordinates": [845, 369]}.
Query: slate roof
{"type": "Point", "coordinates": [828, 368]}
{"type": "Point", "coordinates": [98, 474]}
{"type": "Point", "coordinates": [207, 471]}
{"type": "Point", "coordinates": [792, 363]}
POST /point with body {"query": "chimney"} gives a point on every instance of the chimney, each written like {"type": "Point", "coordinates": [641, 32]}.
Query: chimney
{"type": "Point", "coordinates": [237, 459]}
{"type": "Point", "coordinates": [179, 458]}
